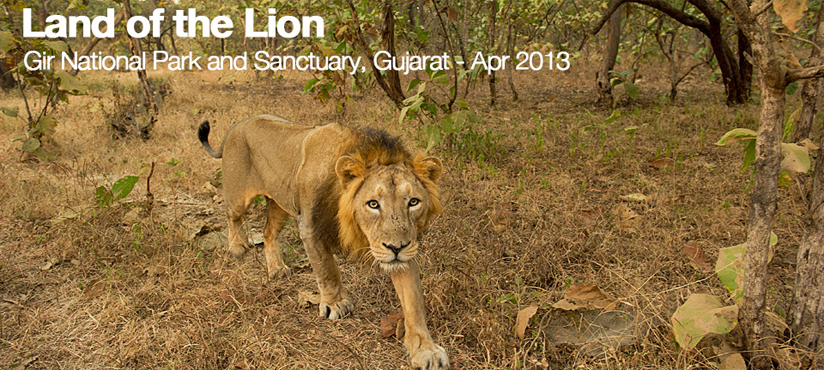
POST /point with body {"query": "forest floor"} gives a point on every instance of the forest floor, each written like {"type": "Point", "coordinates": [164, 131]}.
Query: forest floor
{"type": "Point", "coordinates": [533, 204]}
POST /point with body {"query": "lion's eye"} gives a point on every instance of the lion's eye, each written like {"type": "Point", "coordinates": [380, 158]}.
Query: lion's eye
{"type": "Point", "coordinates": [373, 204]}
{"type": "Point", "coordinates": [414, 202]}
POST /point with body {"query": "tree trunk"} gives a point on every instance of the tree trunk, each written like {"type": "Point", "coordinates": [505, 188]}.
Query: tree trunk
{"type": "Point", "coordinates": [510, 50]}
{"type": "Point", "coordinates": [807, 311]}
{"type": "Point", "coordinates": [602, 77]}
{"type": "Point", "coordinates": [388, 40]}
{"type": "Point", "coordinates": [493, 35]}
{"type": "Point", "coordinates": [765, 188]}
{"type": "Point", "coordinates": [137, 49]}
{"type": "Point", "coordinates": [744, 66]}
{"type": "Point", "coordinates": [7, 81]}
{"type": "Point", "coordinates": [398, 100]}
{"type": "Point", "coordinates": [811, 88]}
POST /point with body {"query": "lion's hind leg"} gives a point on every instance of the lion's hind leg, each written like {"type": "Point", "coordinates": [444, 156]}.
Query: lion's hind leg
{"type": "Point", "coordinates": [236, 205]}
{"type": "Point", "coordinates": [275, 216]}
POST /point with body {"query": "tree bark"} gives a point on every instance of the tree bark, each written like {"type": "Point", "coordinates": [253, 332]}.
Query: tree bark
{"type": "Point", "coordinates": [807, 311]}
{"type": "Point", "coordinates": [768, 157]}
{"type": "Point", "coordinates": [388, 40]}
{"type": "Point", "coordinates": [493, 13]}
{"type": "Point", "coordinates": [602, 81]}
{"type": "Point", "coordinates": [510, 50]}
{"type": "Point", "coordinates": [137, 49]}
{"type": "Point", "coordinates": [812, 88]}
{"type": "Point", "coordinates": [365, 46]}
{"type": "Point", "coordinates": [7, 81]}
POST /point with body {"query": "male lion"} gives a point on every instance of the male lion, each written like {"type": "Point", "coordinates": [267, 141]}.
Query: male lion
{"type": "Point", "coordinates": [351, 190]}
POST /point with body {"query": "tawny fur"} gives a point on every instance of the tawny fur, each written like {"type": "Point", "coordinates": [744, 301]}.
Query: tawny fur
{"type": "Point", "coordinates": [325, 176]}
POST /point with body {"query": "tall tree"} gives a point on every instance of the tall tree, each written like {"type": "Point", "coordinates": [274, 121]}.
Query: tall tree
{"type": "Point", "coordinates": [755, 22]}
{"type": "Point", "coordinates": [736, 74]}
{"type": "Point", "coordinates": [611, 53]}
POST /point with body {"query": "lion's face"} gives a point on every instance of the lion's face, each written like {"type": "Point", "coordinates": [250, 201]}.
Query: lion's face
{"type": "Point", "coordinates": [392, 205]}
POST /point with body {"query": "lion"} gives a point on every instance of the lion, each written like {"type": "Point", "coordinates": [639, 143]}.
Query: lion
{"type": "Point", "coordinates": [352, 191]}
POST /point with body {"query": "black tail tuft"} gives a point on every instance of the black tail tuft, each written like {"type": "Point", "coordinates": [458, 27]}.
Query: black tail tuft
{"type": "Point", "coordinates": [203, 132]}
{"type": "Point", "coordinates": [203, 135]}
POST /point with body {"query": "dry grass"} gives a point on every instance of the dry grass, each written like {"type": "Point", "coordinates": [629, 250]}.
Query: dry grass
{"type": "Point", "coordinates": [115, 289]}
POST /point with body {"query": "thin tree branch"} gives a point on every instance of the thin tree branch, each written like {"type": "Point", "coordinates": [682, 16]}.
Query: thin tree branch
{"type": "Point", "coordinates": [663, 6]}
{"type": "Point", "coordinates": [804, 73]}
{"type": "Point", "coordinates": [796, 38]}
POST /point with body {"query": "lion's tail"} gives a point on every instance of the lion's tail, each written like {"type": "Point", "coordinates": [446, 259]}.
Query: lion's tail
{"type": "Point", "coordinates": [203, 135]}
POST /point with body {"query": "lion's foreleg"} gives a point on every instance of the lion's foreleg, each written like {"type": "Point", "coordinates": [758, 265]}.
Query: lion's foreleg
{"type": "Point", "coordinates": [423, 352]}
{"type": "Point", "coordinates": [334, 300]}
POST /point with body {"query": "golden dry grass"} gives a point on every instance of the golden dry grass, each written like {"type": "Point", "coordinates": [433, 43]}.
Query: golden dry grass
{"type": "Point", "coordinates": [115, 289]}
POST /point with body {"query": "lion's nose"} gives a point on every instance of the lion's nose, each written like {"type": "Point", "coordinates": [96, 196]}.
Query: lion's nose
{"type": "Point", "coordinates": [396, 248]}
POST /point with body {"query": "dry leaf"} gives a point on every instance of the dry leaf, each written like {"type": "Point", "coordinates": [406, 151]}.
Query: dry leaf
{"type": "Point", "coordinates": [523, 320]}
{"type": "Point", "coordinates": [695, 253]}
{"type": "Point", "coordinates": [787, 358]}
{"type": "Point", "coordinates": [634, 197]}
{"type": "Point", "coordinates": [588, 217]}
{"type": "Point", "coordinates": [627, 219]}
{"type": "Point", "coordinates": [790, 12]}
{"type": "Point", "coordinates": [661, 163]}
{"type": "Point", "coordinates": [586, 296]}
{"type": "Point", "coordinates": [209, 188]}
{"type": "Point", "coordinates": [306, 299]}
{"type": "Point", "coordinates": [733, 362]}
{"type": "Point", "coordinates": [809, 144]}
{"type": "Point", "coordinates": [389, 325]}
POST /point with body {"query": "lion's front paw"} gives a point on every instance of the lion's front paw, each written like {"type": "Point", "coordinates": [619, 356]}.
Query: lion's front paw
{"type": "Point", "coordinates": [336, 310]}
{"type": "Point", "coordinates": [432, 357]}
{"type": "Point", "coordinates": [280, 272]}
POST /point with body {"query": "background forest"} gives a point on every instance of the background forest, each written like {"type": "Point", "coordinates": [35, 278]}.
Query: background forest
{"type": "Point", "coordinates": [657, 205]}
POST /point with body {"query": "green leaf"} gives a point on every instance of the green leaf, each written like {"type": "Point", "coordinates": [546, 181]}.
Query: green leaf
{"type": "Point", "coordinates": [632, 90]}
{"type": "Point", "coordinates": [615, 115]}
{"type": "Point", "coordinates": [70, 83]}
{"type": "Point", "coordinates": [730, 268]}
{"type": "Point", "coordinates": [421, 88]}
{"type": "Point", "coordinates": [700, 315]}
{"type": "Point", "coordinates": [412, 84]}
{"type": "Point", "coordinates": [791, 88]}
{"type": "Point", "coordinates": [749, 155]}
{"type": "Point", "coordinates": [58, 46]}
{"type": "Point", "coordinates": [31, 144]}
{"type": "Point", "coordinates": [102, 196]}
{"type": "Point", "coordinates": [7, 41]}
{"type": "Point", "coordinates": [736, 134]}
{"type": "Point", "coordinates": [121, 188]}
{"type": "Point", "coordinates": [11, 112]}
{"type": "Point", "coordinates": [795, 158]}
{"type": "Point", "coordinates": [310, 84]}
{"type": "Point", "coordinates": [45, 126]}
{"type": "Point", "coordinates": [403, 114]}
{"type": "Point", "coordinates": [452, 123]}
{"type": "Point", "coordinates": [433, 137]}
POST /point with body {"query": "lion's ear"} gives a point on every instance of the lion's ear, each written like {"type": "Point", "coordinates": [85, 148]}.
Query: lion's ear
{"type": "Point", "coordinates": [429, 167]}
{"type": "Point", "coordinates": [348, 169]}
